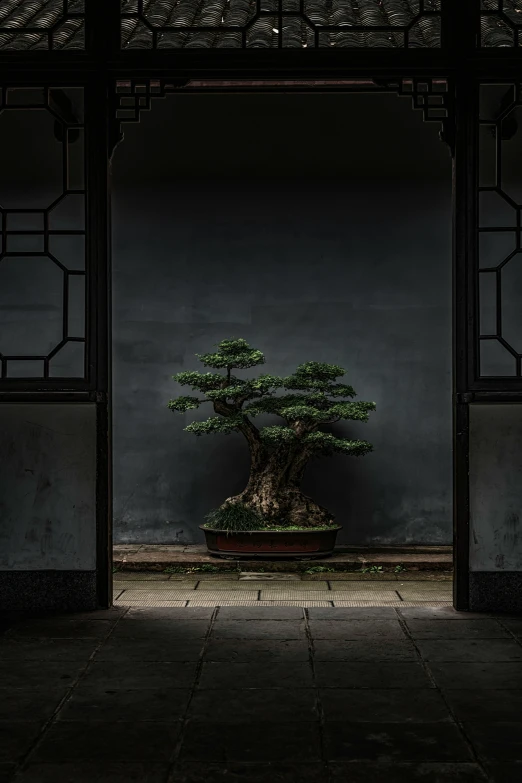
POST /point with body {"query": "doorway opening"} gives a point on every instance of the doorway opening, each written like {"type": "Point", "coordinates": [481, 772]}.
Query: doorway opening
{"type": "Point", "coordinates": [303, 223]}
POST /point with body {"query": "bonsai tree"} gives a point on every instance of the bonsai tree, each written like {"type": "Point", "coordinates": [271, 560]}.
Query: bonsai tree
{"type": "Point", "coordinates": [278, 453]}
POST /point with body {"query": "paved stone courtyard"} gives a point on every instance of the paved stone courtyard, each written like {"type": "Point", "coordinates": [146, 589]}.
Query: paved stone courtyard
{"type": "Point", "coordinates": [269, 589]}
{"type": "Point", "coordinates": [261, 694]}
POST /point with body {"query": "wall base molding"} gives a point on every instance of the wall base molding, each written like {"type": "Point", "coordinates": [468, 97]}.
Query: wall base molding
{"type": "Point", "coordinates": [495, 591]}
{"type": "Point", "coordinates": [61, 590]}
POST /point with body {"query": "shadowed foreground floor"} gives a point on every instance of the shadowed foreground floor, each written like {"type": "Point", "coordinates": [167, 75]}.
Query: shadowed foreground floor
{"type": "Point", "coordinates": [261, 693]}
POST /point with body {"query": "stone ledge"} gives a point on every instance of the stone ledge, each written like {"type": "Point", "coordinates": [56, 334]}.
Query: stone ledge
{"type": "Point", "coordinates": [147, 557]}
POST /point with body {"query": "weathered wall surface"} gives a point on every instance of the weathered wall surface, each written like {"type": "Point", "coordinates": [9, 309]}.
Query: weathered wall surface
{"type": "Point", "coordinates": [47, 487]}
{"type": "Point", "coordinates": [317, 231]}
{"type": "Point", "coordinates": [496, 487]}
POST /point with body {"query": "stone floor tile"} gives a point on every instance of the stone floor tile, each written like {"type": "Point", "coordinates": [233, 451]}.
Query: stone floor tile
{"type": "Point", "coordinates": [425, 576]}
{"type": "Point", "coordinates": [256, 674]}
{"type": "Point", "coordinates": [6, 772]}
{"type": "Point", "coordinates": [386, 674]}
{"type": "Point", "coordinates": [398, 604]}
{"type": "Point", "coordinates": [476, 675]}
{"type": "Point", "coordinates": [485, 705]}
{"type": "Point", "coordinates": [153, 586]}
{"type": "Point", "coordinates": [504, 772]}
{"type": "Point", "coordinates": [58, 628]}
{"type": "Point", "coordinates": [16, 739]}
{"type": "Point", "coordinates": [28, 649]}
{"type": "Point", "coordinates": [378, 596]}
{"type": "Point", "coordinates": [354, 629]}
{"type": "Point", "coordinates": [201, 600]}
{"type": "Point", "coordinates": [170, 548]}
{"type": "Point", "coordinates": [353, 576]}
{"type": "Point", "coordinates": [141, 597]}
{"type": "Point", "coordinates": [139, 674]}
{"type": "Point", "coordinates": [424, 595]}
{"type": "Point", "coordinates": [294, 595]}
{"type": "Point", "coordinates": [256, 650]}
{"type": "Point", "coordinates": [251, 704]}
{"type": "Point", "coordinates": [260, 613]}
{"type": "Point", "coordinates": [470, 650]}
{"type": "Point", "coordinates": [143, 649]}
{"type": "Point", "coordinates": [353, 613]}
{"type": "Point", "coordinates": [234, 772]}
{"type": "Point", "coordinates": [155, 561]}
{"type": "Point", "coordinates": [473, 629]}
{"type": "Point", "coordinates": [28, 704]}
{"type": "Point", "coordinates": [165, 614]}
{"type": "Point", "coordinates": [439, 613]}
{"type": "Point", "coordinates": [257, 741]}
{"type": "Point", "coordinates": [229, 576]}
{"type": "Point", "coordinates": [425, 590]}
{"type": "Point", "coordinates": [198, 577]}
{"type": "Point", "coordinates": [148, 602]}
{"type": "Point", "coordinates": [496, 741]}
{"type": "Point", "coordinates": [277, 576]}
{"type": "Point", "coordinates": [391, 742]}
{"type": "Point", "coordinates": [152, 629]}
{"type": "Point", "coordinates": [147, 597]}
{"type": "Point", "coordinates": [384, 705]}
{"type": "Point", "coordinates": [424, 584]}
{"type": "Point", "coordinates": [355, 586]}
{"type": "Point", "coordinates": [113, 614]}
{"type": "Point", "coordinates": [258, 629]}
{"type": "Point", "coordinates": [104, 741]}
{"type": "Point", "coordinates": [366, 649]}
{"type": "Point", "coordinates": [265, 585]}
{"type": "Point", "coordinates": [40, 675]}
{"type": "Point", "coordinates": [515, 626]}
{"type": "Point", "coordinates": [89, 703]}
{"type": "Point", "coordinates": [370, 772]}
{"type": "Point", "coordinates": [299, 602]}
{"type": "Point", "coordinates": [141, 576]}
{"type": "Point", "coordinates": [94, 772]}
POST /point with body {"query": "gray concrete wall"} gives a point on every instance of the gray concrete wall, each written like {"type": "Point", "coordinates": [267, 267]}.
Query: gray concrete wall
{"type": "Point", "coordinates": [318, 228]}
{"type": "Point", "coordinates": [496, 487]}
{"type": "Point", "coordinates": [47, 487]}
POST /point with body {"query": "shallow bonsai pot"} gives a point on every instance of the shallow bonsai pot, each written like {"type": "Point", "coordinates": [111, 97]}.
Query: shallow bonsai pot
{"type": "Point", "coordinates": [271, 543]}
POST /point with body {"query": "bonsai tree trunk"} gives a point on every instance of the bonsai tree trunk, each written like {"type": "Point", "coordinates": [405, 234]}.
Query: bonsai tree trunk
{"type": "Point", "coordinates": [273, 491]}
{"type": "Point", "coordinates": [312, 398]}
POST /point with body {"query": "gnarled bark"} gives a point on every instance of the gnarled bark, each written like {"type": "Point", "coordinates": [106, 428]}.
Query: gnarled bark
{"type": "Point", "coordinates": [273, 491]}
{"type": "Point", "coordinates": [273, 488]}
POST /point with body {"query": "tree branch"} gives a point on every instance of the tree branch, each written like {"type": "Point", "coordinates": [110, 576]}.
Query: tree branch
{"type": "Point", "coordinates": [248, 429]}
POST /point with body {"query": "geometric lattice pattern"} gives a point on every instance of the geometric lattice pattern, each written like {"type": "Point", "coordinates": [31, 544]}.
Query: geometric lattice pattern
{"type": "Point", "coordinates": [500, 23]}
{"type": "Point", "coordinates": [42, 241]}
{"type": "Point", "coordinates": [42, 24]}
{"type": "Point", "coordinates": [430, 95]}
{"type": "Point", "coordinates": [174, 24]}
{"type": "Point", "coordinates": [499, 230]}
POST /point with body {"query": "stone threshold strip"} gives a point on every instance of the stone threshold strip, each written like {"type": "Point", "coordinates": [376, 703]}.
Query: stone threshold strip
{"type": "Point", "coordinates": [265, 590]}
{"type": "Point", "coordinates": [149, 557]}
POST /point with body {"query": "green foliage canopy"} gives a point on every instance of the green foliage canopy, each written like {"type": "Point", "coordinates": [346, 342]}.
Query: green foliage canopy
{"type": "Point", "coordinates": [237, 400]}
